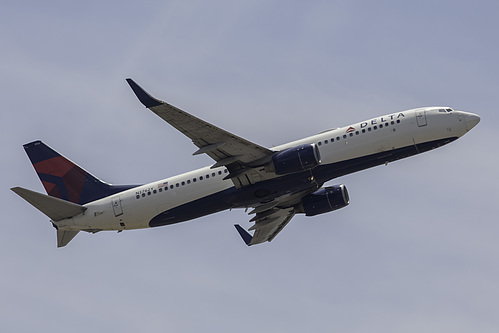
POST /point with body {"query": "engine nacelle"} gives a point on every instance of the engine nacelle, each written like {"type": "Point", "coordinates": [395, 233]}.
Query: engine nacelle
{"type": "Point", "coordinates": [325, 200]}
{"type": "Point", "coordinates": [296, 159]}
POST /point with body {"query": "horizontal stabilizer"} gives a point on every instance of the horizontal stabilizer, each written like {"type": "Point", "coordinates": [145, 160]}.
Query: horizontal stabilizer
{"type": "Point", "coordinates": [56, 209]}
{"type": "Point", "coordinates": [65, 236]}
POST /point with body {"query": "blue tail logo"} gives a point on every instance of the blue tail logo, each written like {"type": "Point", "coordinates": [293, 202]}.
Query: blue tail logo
{"type": "Point", "coordinates": [65, 180]}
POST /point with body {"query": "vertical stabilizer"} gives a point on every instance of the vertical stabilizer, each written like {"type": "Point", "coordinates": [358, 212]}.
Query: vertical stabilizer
{"type": "Point", "coordinates": [64, 179]}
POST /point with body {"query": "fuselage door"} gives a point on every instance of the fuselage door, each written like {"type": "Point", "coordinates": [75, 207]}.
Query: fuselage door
{"type": "Point", "coordinates": [421, 118]}
{"type": "Point", "coordinates": [118, 210]}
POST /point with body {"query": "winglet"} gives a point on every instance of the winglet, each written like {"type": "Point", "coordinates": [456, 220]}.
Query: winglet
{"type": "Point", "coordinates": [246, 236]}
{"type": "Point", "coordinates": [142, 95]}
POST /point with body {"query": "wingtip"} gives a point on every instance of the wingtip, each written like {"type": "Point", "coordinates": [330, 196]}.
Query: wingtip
{"type": "Point", "coordinates": [142, 95]}
{"type": "Point", "coordinates": [246, 236]}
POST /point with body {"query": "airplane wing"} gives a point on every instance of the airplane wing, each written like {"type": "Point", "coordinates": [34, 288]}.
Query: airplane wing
{"type": "Point", "coordinates": [267, 225]}
{"type": "Point", "coordinates": [270, 218]}
{"type": "Point", "coordinates": [227, 149]}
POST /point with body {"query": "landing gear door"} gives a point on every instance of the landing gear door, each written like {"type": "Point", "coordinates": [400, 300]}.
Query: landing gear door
{"type": "Point", "coordinates": [118, 210]}
{"type": "Point", "coordinates": [421, 118]}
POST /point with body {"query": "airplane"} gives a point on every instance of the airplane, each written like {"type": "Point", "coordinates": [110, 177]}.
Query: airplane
{"type": "Point", "coordinates": [275, 183]}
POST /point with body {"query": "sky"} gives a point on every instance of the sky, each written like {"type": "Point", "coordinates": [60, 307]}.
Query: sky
{"type": "Point", "coordinates": [416, 250]}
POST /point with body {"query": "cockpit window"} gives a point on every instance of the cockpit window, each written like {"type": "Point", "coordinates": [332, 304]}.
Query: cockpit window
{"type": "Point", "coordinates": [445, 110]}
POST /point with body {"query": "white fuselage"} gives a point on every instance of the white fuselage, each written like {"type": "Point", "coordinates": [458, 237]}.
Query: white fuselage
{"type": "Point", "coordinates": [135, 208]}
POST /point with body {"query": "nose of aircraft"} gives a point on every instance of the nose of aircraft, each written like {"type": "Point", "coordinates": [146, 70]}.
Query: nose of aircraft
{"type": "Point", "coordinates": [471, 120]}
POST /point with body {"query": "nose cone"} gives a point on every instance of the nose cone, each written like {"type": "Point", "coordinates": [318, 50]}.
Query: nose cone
{"type": "Point", "coordinates": [471, 120]}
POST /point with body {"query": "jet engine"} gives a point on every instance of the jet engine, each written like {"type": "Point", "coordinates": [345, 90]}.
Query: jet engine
{"type": "Point", "coordinates": [324, 200]}
{"type": "Point", "coordinates": [296, 159]}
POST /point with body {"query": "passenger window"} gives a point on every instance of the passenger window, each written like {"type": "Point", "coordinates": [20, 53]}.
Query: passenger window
{"type": "Point", "coordinates": [154, 192]}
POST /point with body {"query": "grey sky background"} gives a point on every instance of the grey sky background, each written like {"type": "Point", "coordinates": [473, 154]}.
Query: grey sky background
{"type": "Point", "coordinates": [415, 251]}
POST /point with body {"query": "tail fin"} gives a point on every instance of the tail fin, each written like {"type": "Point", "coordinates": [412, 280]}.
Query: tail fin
{"type": "Point", "coordinates": [65, 180]}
